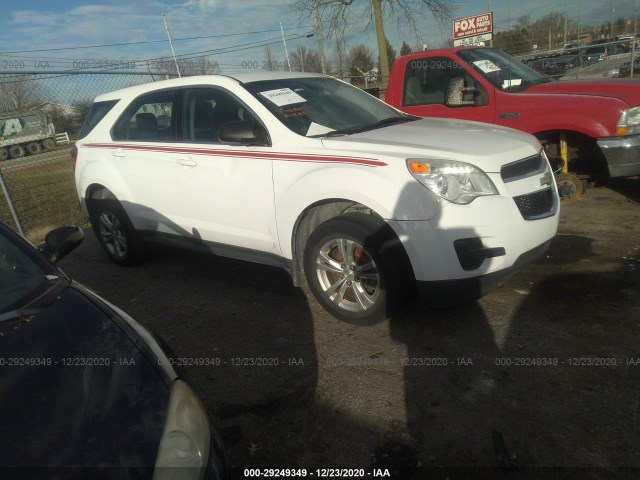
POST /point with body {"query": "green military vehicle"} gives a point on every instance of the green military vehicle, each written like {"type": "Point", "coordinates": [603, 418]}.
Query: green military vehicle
{"type": "Point", "coordinates": [25, 133]}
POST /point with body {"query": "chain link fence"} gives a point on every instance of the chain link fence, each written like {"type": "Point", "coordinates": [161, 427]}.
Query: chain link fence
{"type": "Point", "coordinates": [40, 117]}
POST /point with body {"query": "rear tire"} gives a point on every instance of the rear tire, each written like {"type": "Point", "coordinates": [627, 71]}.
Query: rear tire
{"type": "Point", "coordinates": [115, 232]}
{"type": "Point", "coordinates": [4, 154]}
{"type": "Point", "coordinates": [17, 151]}
{"type": "Point", "coordinates": [33, 148]}
{"type": "Point", "coordinates": [48, 143]}
{"type": "Point", "coordinates": [357, 268]}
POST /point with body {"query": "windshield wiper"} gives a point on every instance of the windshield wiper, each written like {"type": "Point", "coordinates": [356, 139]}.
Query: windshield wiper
{"type": "Point", "coordinates": [372, 126]}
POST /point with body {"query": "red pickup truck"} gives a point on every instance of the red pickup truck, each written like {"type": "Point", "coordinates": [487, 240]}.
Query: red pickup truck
{"type": "Point", "coordinates": [591, 127]}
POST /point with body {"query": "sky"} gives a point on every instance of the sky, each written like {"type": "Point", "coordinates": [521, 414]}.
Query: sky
{"type": "Point", "coordinates": [38, 35]}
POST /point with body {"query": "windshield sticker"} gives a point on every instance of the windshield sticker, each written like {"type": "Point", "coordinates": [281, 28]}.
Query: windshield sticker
{"type": "Point", "coordinates": [293, 112]}
{"type": "Point", "coordinates": [317, 129]}
{"type": "Point", "coordinates": [487, 66]}
{"type": "Point", "coordinates": [514, 82]}
{"type": "Point", "coordinates": [282, 96]}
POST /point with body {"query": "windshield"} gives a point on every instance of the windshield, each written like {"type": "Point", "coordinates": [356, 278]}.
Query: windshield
{"type": "Point", "coordinates": [22, 274]}
{"type": "Point", "coordinates": [501, 69]}
{"type": "Point", "coordinates": [318, 106]}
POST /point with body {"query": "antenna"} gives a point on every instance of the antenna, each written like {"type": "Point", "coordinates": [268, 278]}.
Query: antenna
{"type": "Point", "coordinates": [175, 60]}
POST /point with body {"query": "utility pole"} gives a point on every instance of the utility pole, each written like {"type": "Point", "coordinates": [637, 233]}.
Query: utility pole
{"type": "Point", "coordinates": [565, 23]}
{"type": "Point", "coordinates": [286, 52]}
{"type": "Point", "coordinates": [493, 20]}
{"type": "Point", "coordinates": [173, 52]}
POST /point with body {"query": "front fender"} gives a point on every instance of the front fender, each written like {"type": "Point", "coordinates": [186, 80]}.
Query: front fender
{"type": "Point", "coordinates": [387, 195]}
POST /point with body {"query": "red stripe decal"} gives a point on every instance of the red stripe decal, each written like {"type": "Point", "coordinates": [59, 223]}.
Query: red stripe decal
{"type": "Point", "coordinates": [286, 157]}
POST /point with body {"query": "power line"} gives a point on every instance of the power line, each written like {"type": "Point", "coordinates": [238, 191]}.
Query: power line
{"type": "Point", "coordinates": [146, 42]}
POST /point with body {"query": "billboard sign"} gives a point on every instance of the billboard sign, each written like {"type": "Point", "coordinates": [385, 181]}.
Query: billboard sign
{"type": "Point", "coordinates": [481, 24]}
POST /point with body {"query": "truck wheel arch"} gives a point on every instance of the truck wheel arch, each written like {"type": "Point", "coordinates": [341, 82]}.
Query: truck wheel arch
{"type": "Point", "coordinates": [585, 156]}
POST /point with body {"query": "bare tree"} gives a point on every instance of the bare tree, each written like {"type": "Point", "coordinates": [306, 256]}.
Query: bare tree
{"type": "Point", "coordinates": [360, 61]}
{"type": "Point", "coordinates": [19, 93]}
{"type": "Point", "coordinates": [304, 60]}
{"type": "Point", "coordinates": [339, 16]}
{"type": "Point", "coordinates": [270, 62]}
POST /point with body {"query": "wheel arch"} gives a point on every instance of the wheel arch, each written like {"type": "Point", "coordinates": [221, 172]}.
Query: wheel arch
{"type": "Point", "coordinates": [585, 157]}
{"type": "Point", "coordinates": [310, 218]}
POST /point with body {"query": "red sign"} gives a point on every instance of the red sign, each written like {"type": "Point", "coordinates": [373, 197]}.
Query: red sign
{"type": "Point", "coordinates": [472, 26]}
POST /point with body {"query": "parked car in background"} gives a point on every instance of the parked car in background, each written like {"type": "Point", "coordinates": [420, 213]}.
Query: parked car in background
{"type": "Point", "coordinates": [590, 127]}
{"type": "Point", "coordinates": [559, 66]}
{"type": "Point", "coordinates": [309, 173]}
{"type": "Point", "coordinates": [597, 53]}
{"type": "Point", "coordinates": [85, 390]}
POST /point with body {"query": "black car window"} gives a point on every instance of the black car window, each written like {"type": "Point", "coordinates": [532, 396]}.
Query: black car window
{"type": "Point", "coordinates": [96, 113]}
{"type": "Point", "coordinates": [21, 276]}
{"type": "Point", "coordinates": [149, 118]}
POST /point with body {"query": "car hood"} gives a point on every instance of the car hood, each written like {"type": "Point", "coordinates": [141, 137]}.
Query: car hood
{"type": "Point", "coordinates": [482, 144]}
{"type": "Point", "coordinates": [625, 89]}
{"type": "Point", "coordinates": [79, 392]}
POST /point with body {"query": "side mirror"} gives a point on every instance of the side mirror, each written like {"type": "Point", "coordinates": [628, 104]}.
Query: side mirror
{"type": "Point", "coordinates": [456, 92]}
{"type": "Point", "coordinates": [240, 132]}
{"type": "Point", "coordinates": [61, 241]}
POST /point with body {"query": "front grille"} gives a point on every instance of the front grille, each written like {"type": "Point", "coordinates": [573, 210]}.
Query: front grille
{"type": "Point", "coordinates": [523, 168]}
{"type": "Point", "coordinates": [536, 205]}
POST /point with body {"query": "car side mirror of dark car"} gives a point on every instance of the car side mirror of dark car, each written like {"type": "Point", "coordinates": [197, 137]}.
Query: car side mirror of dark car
{"type": "Point", "coordinates": [241, 132]}
{"type": "Point", "coordinates": [61, 241]}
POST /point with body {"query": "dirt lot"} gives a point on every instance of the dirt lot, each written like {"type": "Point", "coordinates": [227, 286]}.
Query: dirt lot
{"type": "Point", "coordinates": [549, 362]}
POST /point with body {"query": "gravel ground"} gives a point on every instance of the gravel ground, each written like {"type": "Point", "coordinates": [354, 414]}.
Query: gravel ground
{"type": "Point", "coordinates": [540, 379]}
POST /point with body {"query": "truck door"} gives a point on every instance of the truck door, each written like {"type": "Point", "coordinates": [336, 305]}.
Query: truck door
{"type": "Point", "coordinates": [441, 87]}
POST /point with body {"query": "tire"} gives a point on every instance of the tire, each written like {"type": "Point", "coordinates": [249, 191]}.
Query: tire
{"type": "Point", "coordinates": [48, 143]}
{"type": "Point", "coordinates": [17, 151]}
{"type": "Point", "coordinates": [33, 148]}
{"type": "Point", "coordinates": [115, 232]}
{"type": "Point", "coordinates": [4, 154]}
{"type": "Point", "coordinates": [357, 295]}
{"type": "Point", "coordinates": [570, 188]}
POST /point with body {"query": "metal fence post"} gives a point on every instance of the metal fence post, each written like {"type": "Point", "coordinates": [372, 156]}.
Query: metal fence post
{"type": "Point", "coordinates": [12, 207]}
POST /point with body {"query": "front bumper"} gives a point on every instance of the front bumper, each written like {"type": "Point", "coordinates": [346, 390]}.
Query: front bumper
{"type": "Point", "coordinates": [481, 239]}
{"type": "Point", "coordinates": [622, 155]}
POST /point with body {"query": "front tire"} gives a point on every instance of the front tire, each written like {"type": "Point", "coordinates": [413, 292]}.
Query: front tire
{"type": "Point", "coordinates": [115, 232]}
{"type": "Point", "coordinates": [357, 268]}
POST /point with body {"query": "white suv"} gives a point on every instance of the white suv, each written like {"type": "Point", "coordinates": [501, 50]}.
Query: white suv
{"type": "Point", "coordinates": [309, 173]}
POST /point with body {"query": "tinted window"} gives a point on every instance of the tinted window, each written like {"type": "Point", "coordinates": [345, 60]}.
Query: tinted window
{"type": "Point", "coordinates": [96, 113]}
{"type": "Point", "coordinates": [22, 276]}
{"type": "Point", "coordinates": [149, 118]}
{"type": "Point", "coordinates": [206, 110]}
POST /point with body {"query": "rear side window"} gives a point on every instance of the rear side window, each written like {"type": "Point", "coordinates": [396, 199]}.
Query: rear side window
{"type": "Point", "coordinates": [149, 118]}
{"type": "Point", "coordinates": [96, 113]}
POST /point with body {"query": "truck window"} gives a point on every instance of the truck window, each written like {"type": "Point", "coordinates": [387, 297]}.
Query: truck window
{"type": "Point", "coordinates": [427, 81]}
{"type": "Point", "coordinates": [96, 113]}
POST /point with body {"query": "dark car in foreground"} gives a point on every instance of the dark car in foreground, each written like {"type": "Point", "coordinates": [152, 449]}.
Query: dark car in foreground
{"type": "Point", "coordinates": [85, 390]}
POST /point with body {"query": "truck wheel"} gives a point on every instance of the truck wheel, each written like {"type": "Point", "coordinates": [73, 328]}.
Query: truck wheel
{"type": "Point", "coordinates": [17, 151]}
{"type": "Point", "coordinates": [357, 268]}
{"type": "Point", "coordinates": [4, 154]}
{"type": "Point", "coordinates": [48, 143]}
{"type": "Point", "coordinates": [33, 148]}
{"type": "Point", "coordinates": [569, 188]}
{"type": "Point", "coordinates": [115, 231]}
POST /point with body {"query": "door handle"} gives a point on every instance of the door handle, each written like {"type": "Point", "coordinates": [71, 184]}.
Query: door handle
{"type": "Point", "coordinates": [187, 162]}
{"type": "Point", "coordinates": [118, 152]}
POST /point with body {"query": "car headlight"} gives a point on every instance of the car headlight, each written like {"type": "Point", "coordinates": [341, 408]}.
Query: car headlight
{"type": "Point", "coordinates": [629, 123]}
{"type": "Point", "coordinates": [185, 439]}
{"type": "Point", "coordinates": [457, 182]}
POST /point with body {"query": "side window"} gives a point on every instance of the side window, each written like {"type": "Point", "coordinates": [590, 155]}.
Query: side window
{"type": "Point", "coordinates": [214, 116]}
{"type": "Point", "coordinates": [97, 113]}
{"type": "Point", "coordinates": [149, 118]}
{"type": "Point", "coordinates": [438, 80]}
